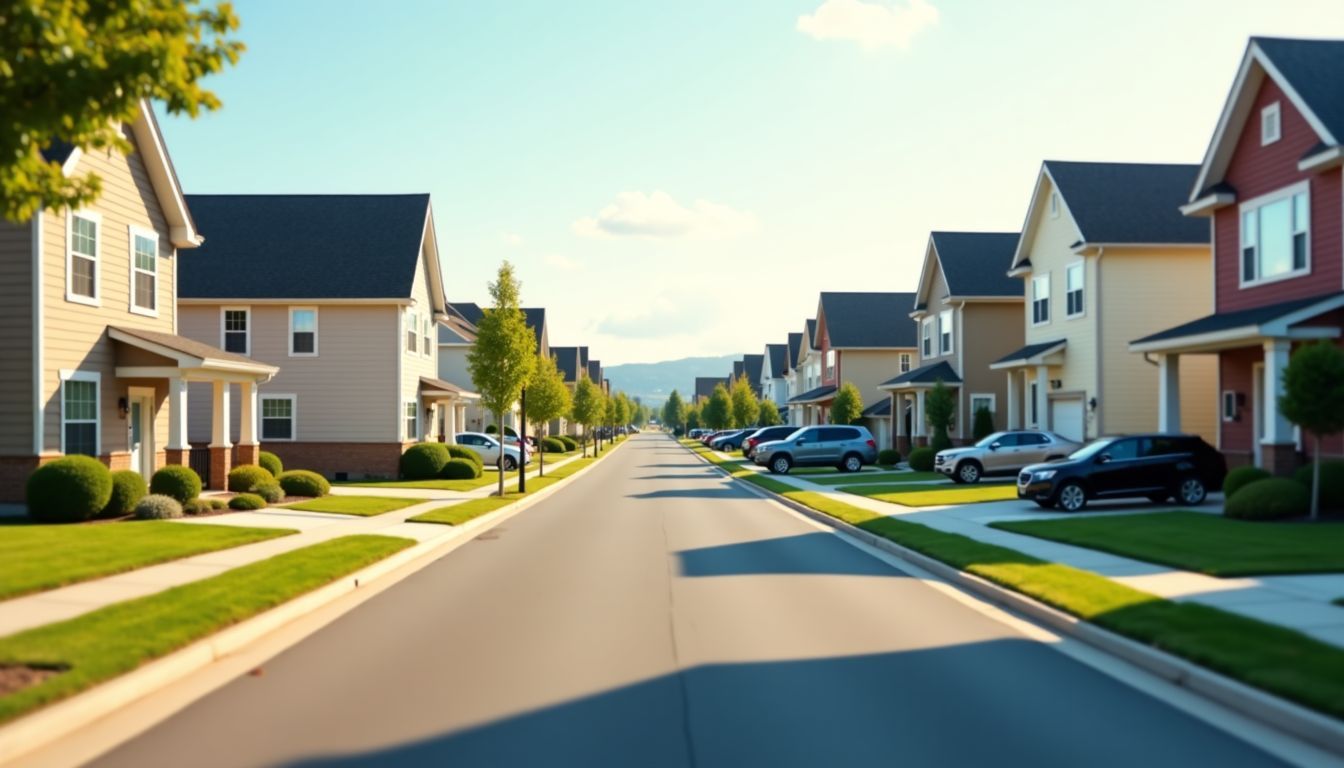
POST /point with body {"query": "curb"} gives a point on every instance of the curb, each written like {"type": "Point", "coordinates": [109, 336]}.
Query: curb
{"type": "Point", "coordinates": [1278, 713]}
{"type": "Point", "coordinates": [45, 726]}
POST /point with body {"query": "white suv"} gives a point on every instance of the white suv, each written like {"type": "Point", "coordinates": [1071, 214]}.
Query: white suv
{"type": "Point", "coordinates": [487, 447]}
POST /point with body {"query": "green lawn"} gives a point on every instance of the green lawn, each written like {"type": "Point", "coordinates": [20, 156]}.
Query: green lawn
{"type": "Point", "coordinates": [914, 495]}
{"type": "Point", "coordinates": [839, 478]}
{"type": "Point", "coordinates": [1208, 544]}
{"type": "Point", "coordinates": [489, 477]}
{"type": "Point", "coordinates": [114, 640]}
{"type": "Point", "coordinates": [34, 558]}
{"type": "Point", "coordinates": [364, 506]}
{"type": "Point", "coordinates": [457, 514]}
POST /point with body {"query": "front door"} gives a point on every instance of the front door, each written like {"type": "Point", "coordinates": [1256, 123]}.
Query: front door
{"type": "Point", "coordinates": [140, 438]}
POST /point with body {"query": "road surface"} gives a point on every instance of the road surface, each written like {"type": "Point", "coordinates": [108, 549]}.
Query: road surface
{"type": "Point", "coordinates": [654, 613]}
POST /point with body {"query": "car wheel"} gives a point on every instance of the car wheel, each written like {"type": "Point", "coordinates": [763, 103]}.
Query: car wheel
{"type": "Point", "coordinates": [1192, 491]}
{"type": "Point", "coordinates": [510, 464]}
{"type": "Point", "coordinates": [1071, 497]}
{"type": "Point", "coordinates": [780, 465]}
{"type": "Point", "coordinates": [852, 463]}
{"type": "Point", "coordinates": [969, 472]}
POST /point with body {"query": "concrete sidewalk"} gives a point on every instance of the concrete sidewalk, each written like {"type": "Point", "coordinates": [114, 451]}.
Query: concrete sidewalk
{"type": "Point", "coordinates": [1300, 602]}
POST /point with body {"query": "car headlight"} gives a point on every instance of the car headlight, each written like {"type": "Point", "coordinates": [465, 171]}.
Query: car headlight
{"type": "Point", "coordinates": [1044, 474]}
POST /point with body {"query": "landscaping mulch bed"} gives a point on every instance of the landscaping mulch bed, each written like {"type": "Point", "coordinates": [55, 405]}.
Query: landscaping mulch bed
{"type": "Point", "coordinates": [16, 677]}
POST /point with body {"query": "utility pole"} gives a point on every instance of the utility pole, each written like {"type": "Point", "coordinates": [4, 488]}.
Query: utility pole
{"type": "Point", "coordinates": [522, 441]}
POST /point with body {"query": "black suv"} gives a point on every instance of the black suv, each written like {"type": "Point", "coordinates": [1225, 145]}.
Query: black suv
{"type": "Point", "coordinates": [1156, 467]}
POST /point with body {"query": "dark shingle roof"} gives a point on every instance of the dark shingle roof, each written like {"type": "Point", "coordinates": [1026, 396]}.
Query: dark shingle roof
{"type": "Point", "coordinates": [811, 333]}
{"type": "Point", "coordinates": [976, 263]}
{"type": "Point", "coordinates": [1028, 352]}
{"type": "Point", "coordinates": [470, 311]}
{"type": "Point", "coordinates": [536, 320]}
{"type": "Point", "coordinates": [795, 349]}
{"type": "Point", "coordinates": [1315, 68]}
{"type": "Point", "coordinates": [1129, 202]}
{"type": "Point", "coordinates": [704, 385]}
{"type": "Point", "coordinates": [1227, 321]}
{"type": "Point", "coordinates": [778, 359]}
{"type": "Point", "coordinates": [567, 360]}
{"type": "Point", "coordinates": [57, 152]}
{"type": "Point", "coordinates": [813, 395]}
{"type": "Point", "coordinates": [595, 371]}
{"type": "Point", "coordinates": [739, 368]}
{"type": "Point", "coordinates": [927, 374]}
{"type": "Point", "coordinates": [303, 246]}
{"type": "Point", "coordinates": [879, 409]}
{"type": "Point", "coordinates": [869, 319]}
{"type": "Point", "coordinates": [751, 365]}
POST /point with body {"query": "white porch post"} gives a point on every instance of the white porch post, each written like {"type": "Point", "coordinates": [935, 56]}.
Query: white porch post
{"type": "Point", "coordinates": [917, 423]}
{"type": "Point", "coordinates": [1278, 430]}
{"type": "Point", "coordinates": [1014, 407]}
{"type": "Point", "coordinates": [897, 412]}
{"type": "Point", "coordinates": [247, 412]}
{"type": "Point", "coordinates": [1042, 397]}
{"type": "Point", "coordinates": [450, 427]}
{"type": "Point", "coordinates": [460, 423]}
{"type": "Point", "coordinates": [219, 434]}
{"type": "Point", "coordinates": [1169, 393]}
{"type": "Point", "coordinates": [177, 415]}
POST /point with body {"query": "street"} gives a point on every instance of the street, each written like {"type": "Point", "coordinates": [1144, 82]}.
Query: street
{"type": "Point", "coordinates": [657, 613]}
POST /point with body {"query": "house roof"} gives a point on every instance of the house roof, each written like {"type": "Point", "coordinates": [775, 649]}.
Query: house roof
{"type": "Point", "coordinates": [567, 360]}
{"type": "Point", "coordinates": [778, 354]}
{"type": "Point", "coordinates": [536, 320]}
{"type": "Point", "coordinates": [1247, 318]}
{"type": "Point", "coordinates": [1129, 203]}
{"type": "Point", "coordinates": [811, 333]}
{"type": "Point", "coordinates": [58, 152]}
{"type": "Point", "coordinates": [975, 263]}
{"type": "Point", "coordinates": [926, 374]}
{"type": "Point", "coordinates": [815, 395]}
{"type": "Point", "coordinates": [305, 247]}
{"type": "Point", "coordinates": [1314, 68]}
{"type": "Point", "coordinates": [751, 366]}
{"type": "Point", "coordinates": [196, 353]}
{"type": "Point", "coordinates": [1030, 351]}
{"type": "Point", "coordinates": [795, 347]}
{"type": "Point", "coordinates": [878, 409]}
{"type": "Point", "coordinates": [739, 368]}
{"type": "Point", "coordinates": [704, 385]}
{"type": "Point", "coordinates": [868, 320]}
{"type": "Point", "coordinates": [468, 310]}
{"type": "Point", "coordinates": [430, 385]}
{"type": "Point", "coordinates": [455, 331]}
{"type": "Point", "coordinates": [595, 371]}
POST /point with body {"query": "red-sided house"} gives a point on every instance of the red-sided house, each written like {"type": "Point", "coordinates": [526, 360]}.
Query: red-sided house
{"type": "Point", "coordinates": [1271, 186]}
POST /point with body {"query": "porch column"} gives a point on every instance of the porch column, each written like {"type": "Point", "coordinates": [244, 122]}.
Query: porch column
{"type": "Point", "coordinates": [1014, 407]}
{"type": "Point", "coordinates": [460, 423]}
{"type": "Point", "coordinates": [220, 460]}
{"type": "Point", "coordinates": [178, 449]}
{"type": "Point", "coordinates": [1169, 393]}
{"type": "Point", "coordinates": [247, 450]}
{"type": "Point", "coordinates": [450, 428]}
{"type": "Point", "coordinates": [1279, 450]}
{"type": "Point", "coordinates": [917, 423]}
{"type": "Point", "coordinates": [1042, 397]}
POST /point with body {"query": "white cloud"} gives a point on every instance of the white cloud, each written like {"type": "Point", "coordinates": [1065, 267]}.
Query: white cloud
{"type": "Point", "coordinates": [870, 24]}
{"type": "Point", "coordinates": [657, 215]}
{"type": "Point", "coordinates": [511, 239]}
{"type": "Point", "coordinates": [561, 262]}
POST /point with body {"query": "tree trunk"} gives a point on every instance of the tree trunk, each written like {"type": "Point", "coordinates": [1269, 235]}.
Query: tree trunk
{"type": "Point", "coordinates": [1316, 479]}
{"type": "Point", "coordinates": [541, 455]}
{"type": "Point", "coordinates": [499, 460]}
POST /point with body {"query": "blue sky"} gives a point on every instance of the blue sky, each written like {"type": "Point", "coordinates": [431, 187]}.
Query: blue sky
{"type": "Point", "coordinates": [682, 178]}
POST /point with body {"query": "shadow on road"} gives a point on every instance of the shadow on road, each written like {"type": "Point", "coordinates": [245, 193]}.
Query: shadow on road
{"type": "Point", "coordinates": [808, 553]}
{"type": "Point", "coordinates": [720, 492]}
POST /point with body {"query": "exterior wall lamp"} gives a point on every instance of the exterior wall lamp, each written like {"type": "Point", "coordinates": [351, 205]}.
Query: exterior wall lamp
{"type": "Point", "coordinates": [1092, 404]}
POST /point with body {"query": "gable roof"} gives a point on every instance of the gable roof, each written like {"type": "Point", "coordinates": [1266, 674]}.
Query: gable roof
{"type": "Point", "coordinates": [926, 374]}
{"type": "Point", "coordinates": [778, 356]}
{"type": "Point", "coordinates": [595, 371]}
{"type": "Point", "coordinates": [812, 333]}
{"type": "Point", "coordinates": [310, 247]}
{"type": "Point", "coordinates": [704, 385]}
{"type": "Point", "coordinates": [868, 320]}
{"type": "Point", "coordinates": [973, 263]}
{"type": "Point", "coordinates": [468, 310]}
{"type": "Point", "coordinates": [1134, 203]}
{"type": "Point", "coordinates": [751, 366]}
{"type": "Point", "coordinates": [536, 320]}
{"type": "Point", "coordinates": [795, 350]}
{"type": "Point", "coordinates": [567, 360]}
{"type": "Point", "coordinates": [739, 368]}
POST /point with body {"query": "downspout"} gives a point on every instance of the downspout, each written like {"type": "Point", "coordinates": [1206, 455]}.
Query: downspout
{"type": "Point", "coordinates": [38, 426]}
{"type": "Point", "coordinates": [1101, 354]}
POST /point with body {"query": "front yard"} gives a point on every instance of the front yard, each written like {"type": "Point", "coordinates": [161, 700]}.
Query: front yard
{"type": "Point", "coordinates": [916, 495]}
{"type": "Point", "coordinates": [489, 477]}
{"type": "Point", "coordinates": [364, 506]}
{"type": "Point", "coordinates": [457, 514]}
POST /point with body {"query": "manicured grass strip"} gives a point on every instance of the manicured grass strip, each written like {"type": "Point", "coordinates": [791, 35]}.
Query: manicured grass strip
{"type": "Point", "coordinates": [1208, 544]}
{"type": "Point", "coordinates": [913, 495]}
{"type": "Point", "coordinates": [841, 478]}
{"type": "Point", "coordinates": [114, 640]}
{"type": "Point", "coordinates": [1279, 660]}
{"type": "Point", "coordinates": [364, 506]}
{"type": "Point", "coordinates": [34, 558]}
{"type": "Point", "coordinates": [457, 514]}
{"type": "Point", "coordinates": [489, 477]}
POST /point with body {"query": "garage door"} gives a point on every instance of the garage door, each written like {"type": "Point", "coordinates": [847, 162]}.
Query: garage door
{"type": "Point", "coordinates": [1066, 418]}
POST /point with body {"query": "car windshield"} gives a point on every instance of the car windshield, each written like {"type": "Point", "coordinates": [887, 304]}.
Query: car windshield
{"type": "Point", "coordinates": [988, 441]}
{"type": "Point", "coordinates": [1092, 448]}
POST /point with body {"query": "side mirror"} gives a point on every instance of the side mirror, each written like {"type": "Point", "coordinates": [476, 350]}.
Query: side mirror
{"type": "Point", "coordinates": [995, 446]}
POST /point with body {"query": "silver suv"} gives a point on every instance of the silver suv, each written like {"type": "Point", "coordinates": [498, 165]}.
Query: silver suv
{"type": "Point", "coordinates": [1002, 453]}
{"type": "Point", "coordinates": [848, 448]}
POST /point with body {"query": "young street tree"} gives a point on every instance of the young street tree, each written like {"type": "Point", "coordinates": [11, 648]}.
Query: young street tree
{"type": "Point", "coordinates": [717, 412]}
{"type": "Point", "coordinates": [587, 408]}
{"type": "Point", "coordinates": [547, 399]}
{"type": "Point", "coordinates": [1313, 399]}
{"type": "Point", "coordinates": [72, 73]}
{"type": "Point", "coordinates": [693, 418]}
{"type": "Point", "coordinates": [746, 408]}
{"type": "Point", "coordinates": [939, 407]}
{"type": "Point", "coordinates": [674, 412]}
{"type": "Point", "coordinates": [505, 352]}
{"type": "Point", "coordinates": [847, 406]}
{"type": "Point", "coordinates": [769, 414]}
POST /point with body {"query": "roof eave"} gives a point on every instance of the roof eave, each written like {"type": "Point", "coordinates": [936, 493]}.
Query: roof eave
{"type": "Point", "coordinates": [1206, 205]}
{"type": "Point", "coordinates": [1328, 158]}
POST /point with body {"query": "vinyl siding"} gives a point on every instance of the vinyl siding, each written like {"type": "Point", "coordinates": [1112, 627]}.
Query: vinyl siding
{"type": "Point", "coordinates": [869, 368]}
{"type": "Point", "coordinates": [414, 364]}
{"type": "Point", "coordinates": [987, 329]}
{"type": "Point", "coordinates": [16, 339]}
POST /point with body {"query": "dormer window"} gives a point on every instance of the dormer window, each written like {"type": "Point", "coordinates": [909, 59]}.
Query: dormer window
{"type": "Point", "coordinates": [1271, 124]}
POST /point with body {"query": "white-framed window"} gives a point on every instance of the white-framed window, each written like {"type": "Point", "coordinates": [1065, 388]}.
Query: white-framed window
{"type": "Point", "coordinates": [926, 337]}
{"type": "Point", "coordinates": [1032, 407]}
{"type": "Point", "coordinates": [1054, 205]}
{"type": "Point", "coordinates": [1073, 290]}
{"type": "Point", "coordinates": [1229, 405]}
{"type": "Point", "coordinates": [945, 332]}
{"type": "Point", "coordinates": [144, 247]}
{"type": "Point", "coordinates": [279, 417]}
{"type": "Point", "coordinates": [427, 337]}
{"type": "Point", "coordinates": [1276, 235]}
{"type": "Point", "coordinates": [1271, 124]}
{"type": "Point", "coordinates": [982, 401]}
{"type": "Point", "coordinates": [235, 330]}
{"type": "Point", "coordinates": [303, 331]}
{"type": "Point", "coordinates": [412, 412]}
{"type": "Point", "coordinates": [81, 425]}
{"type": "Point", "coordinates": [412, 331]}
{"type": "Point", "coordinates": [1040, 300]}
{"type": "Point", "coordinates": [905, 362]}
{"type": "Point", "coordinates": [830, 364]}
{"type": "Point", "coordinates": [82, 237]}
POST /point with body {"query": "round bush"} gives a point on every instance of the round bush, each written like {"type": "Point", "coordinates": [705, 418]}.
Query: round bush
{"type": "Point", "coordinates": [1332, 483]}
{"type": "Point", "coordinates": [271, 463]}
{"type": "Point", "coordinates": [247, 501]}
{"type": "Point", "coordinates": [197, 507]}
{"type": "Point", "coordinates": [271, 491]}
{"type": "Point", "coordinates": [128, 488]}
{"type": "Point", "coordinates": [460, 469]}
{"type": "Point", "coordinates": [570, 443]}
{"type": "Point", "coordinates": [156, 506]}
{"type": "Point", "coordinates": [1240, 478]}
{"type": "Point", "coordinates": [888, 457]}
{"type": "Point", "coordinates": [423, 461]}
{"type": "Point", "coordinates": [1273, 498]}
{"type": "Point", "coordinates": [245, 477]}
{"type": "Point", "coordinates": [551, 445]}
{"type": "Point", "coordinates": [70, 489]}
{"type": "Point", "coordinates": [491, 430]}
{"type": "Point", "coordinates": [301, 482]}
{"type": "Point", "coordinates": [921, 459]}
{"type": "Point", "coordinates": [216, 504]}
{"type": "Point", "coordinates": [178, 481]}
{"type": "Point", "coordinates": [458, 452]}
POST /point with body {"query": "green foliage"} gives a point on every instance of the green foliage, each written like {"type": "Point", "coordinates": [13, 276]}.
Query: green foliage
{"type": "Point", "coordinates": [158, 507]}
{"type": "Point", "coordinates": [128, 488]}
{"type": "Point", "coordinates": [847, 407]}
{"type": "Point", "coordinates": [73, 71]}
{"type": "Point", "coordinates": [270, 491]}
{"type": "Point", "coordinates": [423, 461]}
{"type": "Point", "coordinates": [196, 506]}
{"type": "Point", "coordinates": [1332, 483]}
{"type": "Point", "coordinates": [271, 463]}
{"type": "Point", "coordinates": [301, 482]}
{"type": "Point", "coordinates": [983, 424]}
{"type": "Point", "coordinates": [505, 351]}
{"type": "Point", "coordinates": [1273, 498]}
{"type": "Point", "coordinates": [459, 469]}
{"type": "Point", "coordinates": [459, 452]}
{"type": "Point", "coordinates": [888, 457]}
{"type": "Point", "coordinates": [491, 429]}
{"type": "Point", "coordinates": [70, 489]}
{"type": "Point", "coordinates": [1313, 397]}
{"type": "Point", "coordinates": [247, 501]}
{"type": "Point", "coordinates": [694, 417]}
{"type": "Point", "coordinates": [547, 396]}
{"type": "Point", "coordinates": [570, 443]}
{"type": "Point", "coordinates": [746, 407]}
{"type": "Point", "coordinates": [178, 481]}
{"type": "Point", "coordinates": [940, 405]}
{"type": "Point", "coordinates": [717, 412]}
{"type": "Point", "coordinates": [769, 414]}
{"type": "Point", "coordinates": [1243, 476]}
{"type": "Point", "coordinates": [245, 477]}
{"type": "Point", "coordinates": [552, 445]}
{"type": "Point", "coordinates": [588, 408]}
{"type": "Point", "coordinates": [921, 459]}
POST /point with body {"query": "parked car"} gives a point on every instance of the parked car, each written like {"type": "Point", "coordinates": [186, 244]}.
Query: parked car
{"type": "Point", "coordinates": [849, 448]}
{"type": "Point", "coordinates": [488, 448]}
{"type": "Point", "coordinates": [697, 433]}
{"type": "Point", "coordinates": [764, 435]}
{"type": "Point", "coordinates": [729, 441]}
{"type": "Point", "coordinates": [1002, 453]}
{"type": "Point", "coordinates": [710, 437]}
{"type": "Point", "coordinates": [1156, 467]}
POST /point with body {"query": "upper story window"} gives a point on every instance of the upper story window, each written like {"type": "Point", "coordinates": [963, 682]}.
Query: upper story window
{"type": "Point", "coordinates": [1073, 290]}
{"type": "Point", "coordinates": [412, 327]}
{"type": "Point", "coordinates": [905, 362]}
{"type": "Point", "coordinates": [1040, 300]}
{"type": "Point", "coordinates": [427, 337]}
{"type": "Point", "coordinates": [926, 337]}
{"type": "Point", "coordinates": [81, 261]}
{"type": "Point", "coordinates": [945, 332]}
{"type": "Point", "coordinates": [144, 271]}
{"type": "Point", "coordinates": [1271, 124]}
{"type": "Point", "coordinates": [1275, 235]}
{"type": "Point", "coordinates": [237, 330]}
{"type": "Point", "coordinates": [830, 363]}
{"type": "Point", "coordinates": [1054, 205]}
{"type": "Point", "coordinates": [302, 331]}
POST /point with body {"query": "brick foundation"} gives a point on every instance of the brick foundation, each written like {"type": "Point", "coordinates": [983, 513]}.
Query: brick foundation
{"type": "Point", "coordinates": [220, 464]}
{"type": "Point", "coordinates": [903, 444]}
{"type": "Point", "coordinates": [356, 460]}
{"type": "Point", "coordinates": [1281, 460]}
{"type": "Point", "coordinates": [14, 471]}
{"type": "Point", "coordinates": [245, 454]}
{"type": "Point", "coordinates": [177, 456]}
{"type": "Point", "coordinates": [117, 461]}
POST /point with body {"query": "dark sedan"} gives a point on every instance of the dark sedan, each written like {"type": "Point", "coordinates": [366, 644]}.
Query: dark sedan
{"type": "Point", "coordinates": [1157, 467]}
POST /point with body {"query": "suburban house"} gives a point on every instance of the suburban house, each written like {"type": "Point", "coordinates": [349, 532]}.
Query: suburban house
{"type": "Point", "coordinates": [1106, 257]}
{"type": "Point", "coordinates": [802, 408]}
{"type": "Point", "coordinates": [967, 310]}
{"type": "Point", "coordinates": [93, 360]}
{"type": "Point", "coordinates": [704, 387]}
{"type": "Point", "coordinates": [343, 294]}
{"type": "Point", "coordinates": [793, 350]}
{"type": "Point", "coordinates": [453, 349]}
{"type": "Point", "coordinates": [774, 364]}
{"type": "Point", "coordinates": [567, 361]}
{"type": "Point", "coordinates": [1271, 187]}
{"type": "Point", "coordinates": [751, 368]}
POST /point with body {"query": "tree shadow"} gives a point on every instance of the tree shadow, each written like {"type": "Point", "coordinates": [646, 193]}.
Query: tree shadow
{"type": "Point", "coordinates": [808, 553]}
{"type": "Point", "coordinates": [716, 492]}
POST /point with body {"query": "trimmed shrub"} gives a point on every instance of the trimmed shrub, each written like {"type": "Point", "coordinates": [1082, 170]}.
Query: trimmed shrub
{"type": "Point", "coordinates": [128, 488]}
{"type": "Point", "coordinates": [921, 459]}
{"type": "Point", "coordinates": [301, 482]}
{"type": "Point", "coordinates": [491, 430]}
{"type": "Point", "coordinates": [551, 445]}
{"type": "Point", "coordinates": [1332, 483]}
{"type": "Point", "coordinates": [570, 443]}
{"type": "Point", "coordinates": [1274, 498]}
{"type": "Point", "coordinates": [460, 469]}
{"type": "Point", "coordinates": [458, 452]}
{"type": "Point", "coordinates": [70, 489]}
{"type": "Point", "coordinates": [888, 457]}
{"type": "Point", "coordinates": [245, 477]}
{"type": "Point", "coordinates": [424, 461]}
{"type": "Point", "coordinates": [939, 442]}
{"type": "Point", "coordinates": [244, 501]}
{"type": "Point", "coordinates": [271, 492]}
{"type": "Point", "coordinates": [156, 506]}
{"type": "Point", "coordinates": [178, 481]}
{"type": "Point", "coordinates": [217, 503]}
{"type": "Point", "coordinates": [1240, 478]}
{"type": "Point", "coordinates": [983, 424]}
{"type": "Point", "coordinates": [197, 507]}
{"type": "Point", "coordinates": [271, 463]}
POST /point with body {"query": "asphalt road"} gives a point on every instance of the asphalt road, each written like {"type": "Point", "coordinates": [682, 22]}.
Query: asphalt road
{"type": "Point", "coordinates": [652, 614]}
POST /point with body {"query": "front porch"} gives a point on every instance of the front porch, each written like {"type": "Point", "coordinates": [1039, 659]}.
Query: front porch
{"type": "Point", "coordinates": [907, 402]}
{"type": "Point", "coordinates": [445, 406]}
{"type": "Point", "coordinates": [813, 406]}
{"type": "Point", "coordinates": [1029, 385]}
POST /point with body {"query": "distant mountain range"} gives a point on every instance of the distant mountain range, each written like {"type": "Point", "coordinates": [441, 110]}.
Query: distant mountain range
{"type": "Point", "coordinates": [653, 382]}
